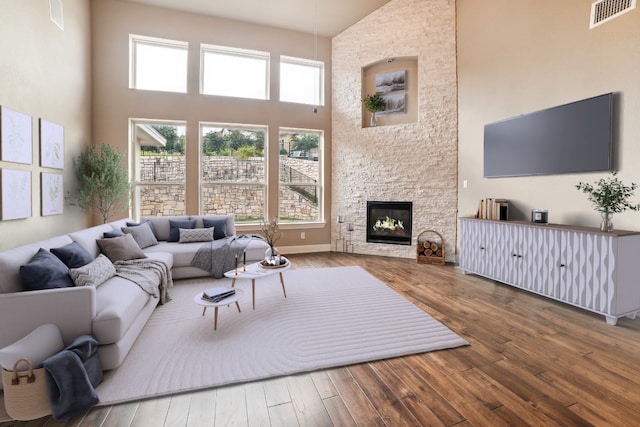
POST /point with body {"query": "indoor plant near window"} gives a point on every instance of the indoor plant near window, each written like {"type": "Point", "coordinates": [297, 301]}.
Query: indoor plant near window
{"type": "Point", "coordinates": [104, 182]}
{"type": "Point", "coordinates": [374, 103]}
{"type": "Point", "coordinates": [609, 196]}
{"type": "Point", "coordinates": [272, 234]}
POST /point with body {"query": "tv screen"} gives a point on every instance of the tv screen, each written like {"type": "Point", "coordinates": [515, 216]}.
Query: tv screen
{"type": "Point", "coordinates": [570, 138]}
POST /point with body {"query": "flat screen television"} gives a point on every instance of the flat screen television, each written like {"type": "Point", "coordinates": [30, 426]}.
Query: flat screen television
{"type": "Point", "coordinates": [570, 138]}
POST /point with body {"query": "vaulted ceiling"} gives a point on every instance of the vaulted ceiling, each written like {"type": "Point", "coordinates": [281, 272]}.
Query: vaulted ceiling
{"type": "Point", "coordinates": [324, 17]}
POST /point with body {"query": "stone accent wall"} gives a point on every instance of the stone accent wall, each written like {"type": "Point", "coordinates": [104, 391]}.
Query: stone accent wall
{"type": "Point", "coordinates": [409, 162]}
{"type": "Point", "coordinates": [164, 196]}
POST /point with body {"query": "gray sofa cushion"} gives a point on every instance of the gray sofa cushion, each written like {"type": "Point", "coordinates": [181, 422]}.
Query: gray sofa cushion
{"type": "Point", "coordinates": [73, 255]}
{"type": "Point", "coordinates": [121, 248]}
{"type": "Point", "coordinates": [93, 274]}
{"type": "Point", "coordinates": [45, 271]}
{"type": "Point", "coordinates": [143, 234]}
{"type": "Point", "coordinates": [176, 225]}
{"type": "Point", "coordinates": [118, 303]}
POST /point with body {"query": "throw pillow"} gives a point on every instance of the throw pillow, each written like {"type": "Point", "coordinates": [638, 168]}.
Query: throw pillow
{"type": "Point", "coordinates": [73, 255]}
{"type": "Point", "coordinates": [176, 225]}
{"type": "Point", "coordinates": [219, 226]}
{"type": "Point", "coordinates": [196, 235]}
{"type": "Point", "coordinates": [153, 229]}
{"type": "Point", "coordinates": [45, 271]}
{"type": "Point", "coordinates": [142, 234]}
{"type": "Point", "coordinates": [95, 273]}
{"type": "Point", "coordinates": [111, 234]}
{"type": "Point", "coordinates": [121, 248]}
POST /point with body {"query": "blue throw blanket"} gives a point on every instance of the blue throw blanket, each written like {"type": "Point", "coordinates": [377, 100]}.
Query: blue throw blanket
{"type": "Point", "coordinates": [71, 377]}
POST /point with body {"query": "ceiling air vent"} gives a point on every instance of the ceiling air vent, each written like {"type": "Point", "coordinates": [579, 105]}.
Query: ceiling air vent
{"type": "Point", "coordinates": [605, 10]}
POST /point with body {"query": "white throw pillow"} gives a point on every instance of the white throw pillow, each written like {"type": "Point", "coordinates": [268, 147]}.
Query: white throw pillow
{"type": "Point", "coordinates": [40, 344]}
{"type": "Point", "coordinates": [190, 235]}
{"type": "Point", "coordinates": [95, 273]}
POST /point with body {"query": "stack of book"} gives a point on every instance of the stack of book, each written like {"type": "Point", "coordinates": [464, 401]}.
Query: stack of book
{"type": "Point", "coordinates": [497, 209]}
{"type": "Point", "coordinates": [217, 294]}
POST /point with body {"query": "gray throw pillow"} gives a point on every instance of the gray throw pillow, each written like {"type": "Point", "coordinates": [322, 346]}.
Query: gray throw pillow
{"type": "Point", "coordinates": [176, 225]}
{"type": "Point", "coordinates": [196, 235]}
{"type": "Point", "coordinates": [95, 273]}
{"type": "Point", "coordinates": [121, 248]}
{"type": "Point", "coordinates": [143, 235]}
{"type": "Point", "coordinates": [45, 271]}
{"type": "Point", "coordinates": [219, 224]}
{"type": "Point", "coordinates": [73, 255]}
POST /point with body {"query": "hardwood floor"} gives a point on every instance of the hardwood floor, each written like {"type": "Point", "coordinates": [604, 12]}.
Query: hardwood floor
{"type": "Point", "coordinates": [532, 361]}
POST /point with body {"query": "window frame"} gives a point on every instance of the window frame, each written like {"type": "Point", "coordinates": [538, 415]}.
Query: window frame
{"type": "Point", "coordinates": [135, 40]}
{"type": "Point", "coordinates": [320, 185]}
{"type": "Point", "coordinates": [291, 60]}
{"type": "Point", "coordinates": [240, 53]}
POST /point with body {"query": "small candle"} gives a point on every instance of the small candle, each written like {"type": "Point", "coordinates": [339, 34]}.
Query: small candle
{"type": "Point", "coordinates": [244, 257]}
{"type": "Point", "coordinates": [236, 264]}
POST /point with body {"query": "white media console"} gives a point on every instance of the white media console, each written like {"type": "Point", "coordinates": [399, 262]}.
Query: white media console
{"type": "Point", "coordinates": [580, 266]}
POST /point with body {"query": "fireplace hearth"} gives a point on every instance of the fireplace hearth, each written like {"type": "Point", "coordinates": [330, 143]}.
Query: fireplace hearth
{"type": "Point", "coordinates": [389, 222]}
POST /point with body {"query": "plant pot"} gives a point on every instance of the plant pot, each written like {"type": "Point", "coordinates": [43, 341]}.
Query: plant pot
{"type": "Point", "coordinates": [374, 119]}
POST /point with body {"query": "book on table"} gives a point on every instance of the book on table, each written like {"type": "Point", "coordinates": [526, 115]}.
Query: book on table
{"type": "Point", "coordinates": [217, 294]}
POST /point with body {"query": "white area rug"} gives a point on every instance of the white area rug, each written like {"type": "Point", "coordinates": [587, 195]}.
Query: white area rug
{"type": "Point", "coordinates": [331, 317]}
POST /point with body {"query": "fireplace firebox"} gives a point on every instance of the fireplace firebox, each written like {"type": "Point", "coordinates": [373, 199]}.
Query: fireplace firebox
{"type": "Point", "coordinates": [389, 222]}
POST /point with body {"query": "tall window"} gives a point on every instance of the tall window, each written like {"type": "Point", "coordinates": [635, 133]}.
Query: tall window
{"type": "Point", "coordinates": [157, 64]}
{"type": "Point", "coordinates": [234, 72]}
{"type": "Point", "coordinates": [233, 170]}
{"type": "Point", "coordinates": [159, 166]}
{"type": "Point", "coordinates": [301, 186]}
{"type": "Point", "coordinates": [301, 81]}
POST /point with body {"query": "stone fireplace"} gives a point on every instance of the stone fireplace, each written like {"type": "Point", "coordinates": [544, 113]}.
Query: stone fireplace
{"type": "Point", "coordinates": [389, 222]}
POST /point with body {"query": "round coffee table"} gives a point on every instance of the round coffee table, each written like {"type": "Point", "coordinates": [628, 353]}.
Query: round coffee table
{"type": "Point", "coordinates": [256, 271]}
{"type": "Point", "coordinates": [227, 301]}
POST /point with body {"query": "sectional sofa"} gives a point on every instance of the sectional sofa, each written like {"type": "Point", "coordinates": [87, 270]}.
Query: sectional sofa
{"type": "Point", "coordinates": [116, 309]}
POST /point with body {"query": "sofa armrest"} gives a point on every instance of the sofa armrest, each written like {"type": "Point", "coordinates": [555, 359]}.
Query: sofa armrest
{"type": "Point", "coordinates": [71, 309]}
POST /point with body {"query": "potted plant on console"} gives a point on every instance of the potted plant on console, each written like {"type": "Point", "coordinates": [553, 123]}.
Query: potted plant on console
{"type": "Point", "coordinates": [373, 104]}
{"type": "Point", "coordinates": [104, 182]}
{"type": "Point", "coordinates": [609, 196]}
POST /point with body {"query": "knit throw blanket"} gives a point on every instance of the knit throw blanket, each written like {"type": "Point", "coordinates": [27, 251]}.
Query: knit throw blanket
{"type": "Point", "coordinates": [221, 255]}
{"type": "Point", "coordinates": [153, 276]}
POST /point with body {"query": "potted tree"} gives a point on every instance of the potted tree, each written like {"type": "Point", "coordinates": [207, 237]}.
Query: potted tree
{"type": "Point", "coordinates": [609, 196]}
{"type": "Point", "coordinates": [104, 182]}
{"type": "Point", "coordinates": [373, 104]}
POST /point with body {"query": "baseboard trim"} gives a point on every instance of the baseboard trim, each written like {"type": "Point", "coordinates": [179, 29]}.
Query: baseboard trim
{"type": "Point", "coordinates": [304, 249]}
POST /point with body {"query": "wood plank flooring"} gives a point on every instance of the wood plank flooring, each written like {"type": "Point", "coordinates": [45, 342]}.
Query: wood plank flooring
{"type": "Point", "coordinates": [532, 361]}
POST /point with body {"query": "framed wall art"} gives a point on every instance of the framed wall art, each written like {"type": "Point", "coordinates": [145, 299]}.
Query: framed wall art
{"type": "Point", "coordinates": [16, 136]}
{"type": "Point", "coordinates": [16, 193]}
{"type": "Point", "coordinates": [52, 200]}
{"type": "Point", "coordinates": [51, 145]}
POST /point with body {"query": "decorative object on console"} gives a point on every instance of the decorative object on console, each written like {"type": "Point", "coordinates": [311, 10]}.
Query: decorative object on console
{"type": "Point", "coordinates": [373, 104]}
{"type": "Point", "coordinates": [430, 248]}
{"type": "Point", "coordinates": [609, 196]}
{"type": "Point", "coordinates": [272, 234]}
{"type": "Point", "coordinates": [540, 216]}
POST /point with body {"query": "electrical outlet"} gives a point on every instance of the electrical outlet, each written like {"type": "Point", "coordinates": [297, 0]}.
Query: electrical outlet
{"type": "Point", "coordinates": [464, 184]}
{"type": "Point", "coordinates": [302, 235]}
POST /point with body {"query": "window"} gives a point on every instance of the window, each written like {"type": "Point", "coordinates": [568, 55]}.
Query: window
{"type": "Point", "coordinates": [301, 81]}
{"type": "Point", "coordinates": [158, 64]}
{"type": "Point", "coordinates": [234, 72]}
{"type": "Point", "coordinates": [301, 187]}
{"type": "Point", "coordinates": [233, 171]}
{"type": "Point", "coordinates": [159, 166]}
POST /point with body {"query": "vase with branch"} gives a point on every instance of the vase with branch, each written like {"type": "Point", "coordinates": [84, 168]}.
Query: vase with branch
{"type": "Point", "coordinates": [608, 196]}
{"type": "Point", "coordinates": [272, 233]}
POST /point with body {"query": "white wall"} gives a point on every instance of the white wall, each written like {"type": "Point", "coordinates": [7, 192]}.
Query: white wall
{"type": "Point", "coordinates": [520, 57]}
{"type": "Point", "coordinates": [45, 73]}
